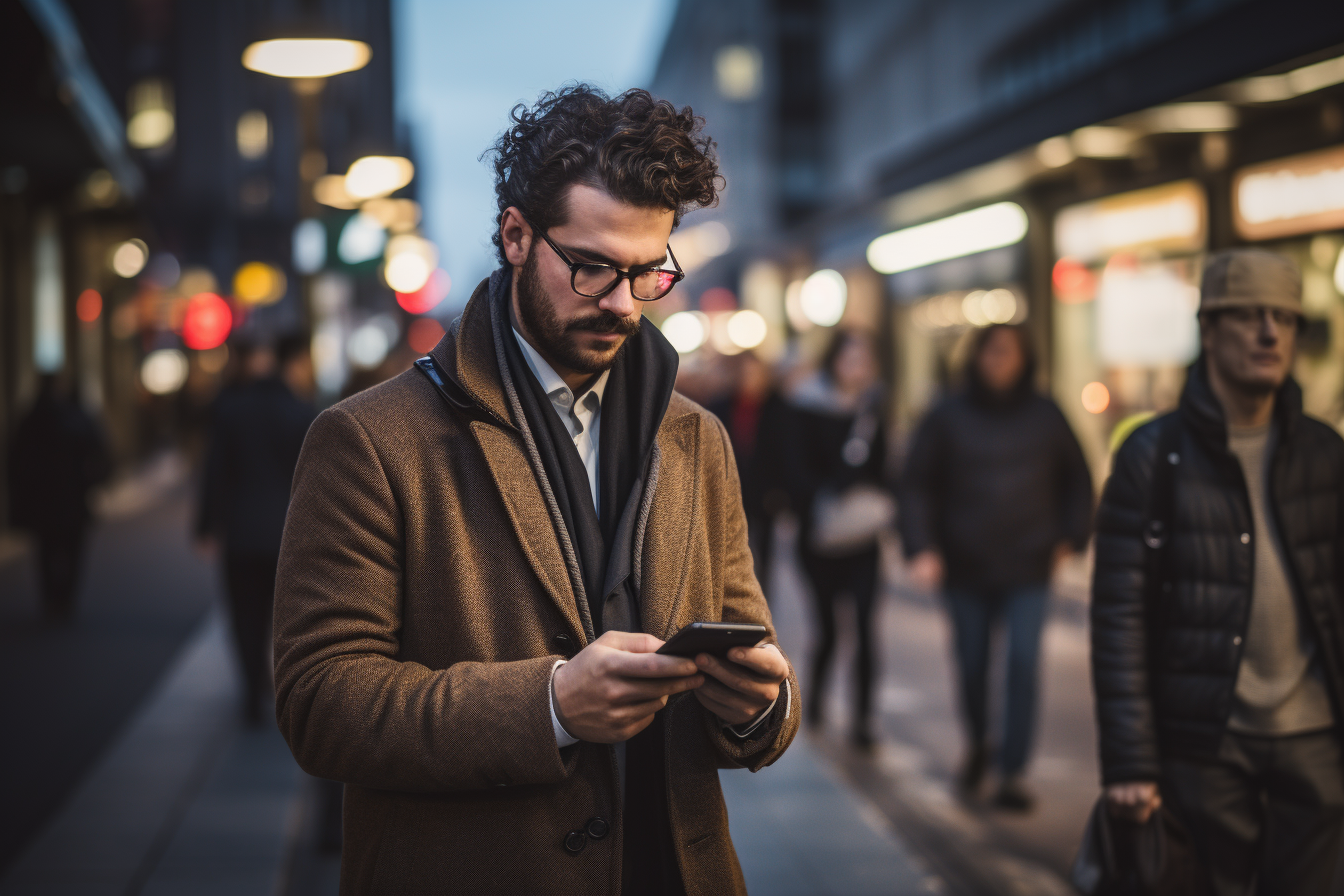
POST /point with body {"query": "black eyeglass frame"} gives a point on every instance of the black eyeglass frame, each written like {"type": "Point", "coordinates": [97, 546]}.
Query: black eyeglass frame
{"type": "Point", "coordinates": [677, 275]}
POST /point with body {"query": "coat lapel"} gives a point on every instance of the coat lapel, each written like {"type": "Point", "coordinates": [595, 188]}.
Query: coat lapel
{"type": "Point", "coordinates": [673, 516]}
{"type": "Point", "coordinates": [531, 521]}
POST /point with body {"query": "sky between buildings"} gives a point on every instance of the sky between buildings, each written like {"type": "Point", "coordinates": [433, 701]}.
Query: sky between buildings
{"type": "Point", "coordinates": [463, 64]}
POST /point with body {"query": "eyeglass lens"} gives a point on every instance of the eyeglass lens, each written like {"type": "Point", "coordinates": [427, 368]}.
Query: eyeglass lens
{"type": "Point", "coordinates": [596, 279]}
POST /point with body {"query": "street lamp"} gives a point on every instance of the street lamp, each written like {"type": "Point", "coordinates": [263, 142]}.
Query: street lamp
{"type": "Point", "coordinates": [306, 57]}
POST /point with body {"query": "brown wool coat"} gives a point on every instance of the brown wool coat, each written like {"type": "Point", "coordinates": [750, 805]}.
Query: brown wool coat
{"type": "Point", "coordinates": [421, 592]}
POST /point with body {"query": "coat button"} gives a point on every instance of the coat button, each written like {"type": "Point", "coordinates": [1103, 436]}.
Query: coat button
{"type": "Point", "coordinates": [574, 842]}
{"type": "Point", "coordinates": [1245, 538]}
{"type": "Point", "coordinates": [564, 643]}
{"type": "Point", "coordinates": [597, 828]}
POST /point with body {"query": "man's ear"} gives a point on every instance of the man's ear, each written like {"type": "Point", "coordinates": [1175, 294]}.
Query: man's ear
{"type": "Point", "coordinates": [516, 236]}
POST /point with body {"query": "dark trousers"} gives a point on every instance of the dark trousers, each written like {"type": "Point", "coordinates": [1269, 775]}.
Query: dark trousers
{"type": "Point", "coordinates": [250, 581]}
{"type": "Point", "coordinates": [975, 615]}
{"type": "Point", "coordinates": [832, 578]}
{"type": "Point", "coordinates": [60, 556]}
{"type": "Point", "coordinates": [1266, 814]}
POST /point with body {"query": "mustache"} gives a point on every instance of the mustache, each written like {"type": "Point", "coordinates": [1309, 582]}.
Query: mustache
{"type": "Point", "coordinates": [606, 322]}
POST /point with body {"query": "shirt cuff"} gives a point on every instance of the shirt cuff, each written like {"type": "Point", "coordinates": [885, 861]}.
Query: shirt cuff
{"type": "Point", "coordinates": [562, 737]}
{"type": "Point", "coordinates": [746, 728]}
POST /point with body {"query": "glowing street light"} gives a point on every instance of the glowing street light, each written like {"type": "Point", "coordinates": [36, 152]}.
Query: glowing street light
{"type": "Point", "coordinates": [306, 57]}
{"type": "Point", "coordinates": [374, 176]}
{"type": "Point", "coordinates": [977, 230]}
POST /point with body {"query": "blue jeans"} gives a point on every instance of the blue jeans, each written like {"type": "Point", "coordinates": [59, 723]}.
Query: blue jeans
{"type": "Point", "coordinates": [974, 616]}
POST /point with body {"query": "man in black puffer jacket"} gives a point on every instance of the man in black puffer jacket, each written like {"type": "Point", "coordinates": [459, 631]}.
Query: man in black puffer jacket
{"type": "Point", "coordinates": [1218, 682]}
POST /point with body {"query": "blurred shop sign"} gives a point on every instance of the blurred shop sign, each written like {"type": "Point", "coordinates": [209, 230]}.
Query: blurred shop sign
{"type": "Point", "coordinates": [1146, 315]}
{"type": "Point", "coordinates": [1171, 218]}
{"type": "Point", "coordinates": [1299, 194]}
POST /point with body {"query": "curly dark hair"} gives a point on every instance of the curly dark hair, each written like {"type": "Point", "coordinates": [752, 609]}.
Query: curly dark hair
{"type": "Point", "coordinates": [639, 149]}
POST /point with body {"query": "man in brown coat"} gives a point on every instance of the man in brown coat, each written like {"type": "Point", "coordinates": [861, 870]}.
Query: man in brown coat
{"type": "Point", "coordinates": [483, 554]}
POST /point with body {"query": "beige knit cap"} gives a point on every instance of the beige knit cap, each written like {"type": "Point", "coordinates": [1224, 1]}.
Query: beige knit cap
{"type": "Point", "coordinates": [1236, 278]}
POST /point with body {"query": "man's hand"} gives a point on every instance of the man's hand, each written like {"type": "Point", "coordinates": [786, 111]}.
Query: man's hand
{"type": "Point", "coordinates": [609, 692]}
{"type": "Point", "coordinates": [743, 686]}
{"type": "Point", "coordinates": [1134, 800]}
{"type": "Point", "coordinates": [926, 569]}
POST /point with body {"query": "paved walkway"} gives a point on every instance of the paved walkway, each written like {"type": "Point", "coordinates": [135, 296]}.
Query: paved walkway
{"type": "Point", "coordinates": [185, 801]}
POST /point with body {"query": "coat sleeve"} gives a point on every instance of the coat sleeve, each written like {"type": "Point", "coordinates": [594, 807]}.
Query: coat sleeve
{"type": "Point", "coordinates": [1120, 675]}
{"type": "Point", "coordinates": [920, 485]}
{"type": "Point", "coordinates": [743, 601]}
{"type": "Point", "coordinates": [350, 710]}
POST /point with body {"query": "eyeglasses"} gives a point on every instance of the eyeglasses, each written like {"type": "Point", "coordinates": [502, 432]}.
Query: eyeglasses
{"type": "Point", "coordinates": [593, 280]}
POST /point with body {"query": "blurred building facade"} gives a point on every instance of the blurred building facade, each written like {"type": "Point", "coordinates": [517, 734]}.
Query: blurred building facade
{"type": "Point", "coordinates": [151, 189]}
{"type": "Point", "coordinates": [1067, 165]}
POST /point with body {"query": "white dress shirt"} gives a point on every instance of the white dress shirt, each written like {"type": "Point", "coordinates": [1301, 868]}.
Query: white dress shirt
{"type": "Point", "coordinates": [583, 419]}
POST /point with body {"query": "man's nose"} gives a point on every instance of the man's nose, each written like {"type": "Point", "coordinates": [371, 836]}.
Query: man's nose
{"type": "Point", "coordinates": [620, 301]}
{"type": "Point", "coordinates": [1269, 328]}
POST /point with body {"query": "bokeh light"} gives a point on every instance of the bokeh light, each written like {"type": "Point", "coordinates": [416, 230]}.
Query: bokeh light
{"type": "Point", "coordinates": [128, 258]}
{"type": "Point", "coordinates": [823, 297]}
{"type": "Point", "coordinates": [207, 321]}
{"type": "Point", "coordinates": [1096, 398]}
{"type": "Point", "coordinates": [685, 330]}
{"type": "Point", "coordinates": [89, 306]}
{"type": "Point", "coordinates": [747, 328]}
{"type": "Point", "coordinates": [427, 297]}
{"type": "Point", "coordinates": [258, 283]}
{"type": "Point", "coordinates": [423, 334]}
{"type": "Point", "coordinates": [163, 371]}
{"type": "Point", "coordinates": [306, 57]}
{"type": "Point", "coordinates": [378, 176]}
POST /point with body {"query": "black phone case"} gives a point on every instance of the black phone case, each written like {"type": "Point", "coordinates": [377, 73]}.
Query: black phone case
{"type": "Point", "coordinates": [714, 638]}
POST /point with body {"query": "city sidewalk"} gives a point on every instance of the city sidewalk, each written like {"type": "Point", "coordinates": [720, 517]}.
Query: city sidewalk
{"type": "Point", "coordinates": [185, 801]}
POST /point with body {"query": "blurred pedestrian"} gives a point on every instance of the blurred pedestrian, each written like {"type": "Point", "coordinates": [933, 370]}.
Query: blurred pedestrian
{"type": "Point", "coordinates": [57, 456]}
{"type": "Point", "coordinates": [756, 417]}
{"type": "Point", "coordinates": [1217, 647]}
{"type": "Point", "coordinates": [995, 493]}
{"type": "Point", "coordinates": [256, 432]}
{"type": "Point", "coordinates": [835, 462]}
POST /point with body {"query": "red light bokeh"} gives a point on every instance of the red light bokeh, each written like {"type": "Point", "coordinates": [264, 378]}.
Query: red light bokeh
{"type": "Point", "coordinates": [426, 297]}
{"type": "Point", "coordinates": [207, 321]}
{"type": "Point", "coordinates": [423, 334]}
{"type": "Point", "coordinates": [718, 299]}
{"type": "Point", "coordinates": [88, 306]}
{"type": "Point", "coordinates": [1073, 281]}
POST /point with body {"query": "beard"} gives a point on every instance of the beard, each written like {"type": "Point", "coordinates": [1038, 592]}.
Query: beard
{"type": "Point", "coordinates": [558, 340]}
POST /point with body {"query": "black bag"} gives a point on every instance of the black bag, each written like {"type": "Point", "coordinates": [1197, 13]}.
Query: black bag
{"type": "Point", "coordinates": [1124, 858]}
{"type": "Point", "coordinates": [1120, 857]}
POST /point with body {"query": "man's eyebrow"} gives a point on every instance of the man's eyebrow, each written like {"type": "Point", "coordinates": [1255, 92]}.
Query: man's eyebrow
{"type": "Point", "coordinates": [593, 255]}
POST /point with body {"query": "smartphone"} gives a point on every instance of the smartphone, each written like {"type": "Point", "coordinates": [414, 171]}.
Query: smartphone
{"type": "Point", "coordinates": [713, 638]}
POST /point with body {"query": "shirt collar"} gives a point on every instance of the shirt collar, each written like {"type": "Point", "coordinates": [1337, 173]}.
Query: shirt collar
{"type": "Point", "coordinates": [551, 383]}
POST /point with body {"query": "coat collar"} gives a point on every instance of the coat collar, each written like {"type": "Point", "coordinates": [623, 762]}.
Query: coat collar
{"type": "Point", "coordinates": [1204, 413]}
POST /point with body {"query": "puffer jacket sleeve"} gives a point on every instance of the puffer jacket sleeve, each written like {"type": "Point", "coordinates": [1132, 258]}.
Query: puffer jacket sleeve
{"type": "Point", "coordinates": [1120, 674]}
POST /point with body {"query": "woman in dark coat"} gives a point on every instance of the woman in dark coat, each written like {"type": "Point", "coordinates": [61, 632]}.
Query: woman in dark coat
{"type": "Point", "coordinates": [838, 441]}
{"type": "Point", "coordinates": [995, 492]}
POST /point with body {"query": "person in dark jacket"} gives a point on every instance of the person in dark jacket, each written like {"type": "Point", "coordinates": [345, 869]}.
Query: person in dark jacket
{"type": "Point", "coordinates": [58, 454]}
{"type": "Point", "coordinates": [1218, 681]}
{"type": "Point", "coordinates": [995, 492]}
{"type": "Point", "coordinates": [838, 441]}
{"type": "Point", "coordinates": [256, 434]}
{"type": "Point", "coordinates": [756, 417]}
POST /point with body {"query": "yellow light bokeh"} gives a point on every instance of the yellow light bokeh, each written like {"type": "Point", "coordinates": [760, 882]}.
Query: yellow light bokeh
{"type": "Point", "coordinates": [258, 283]}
